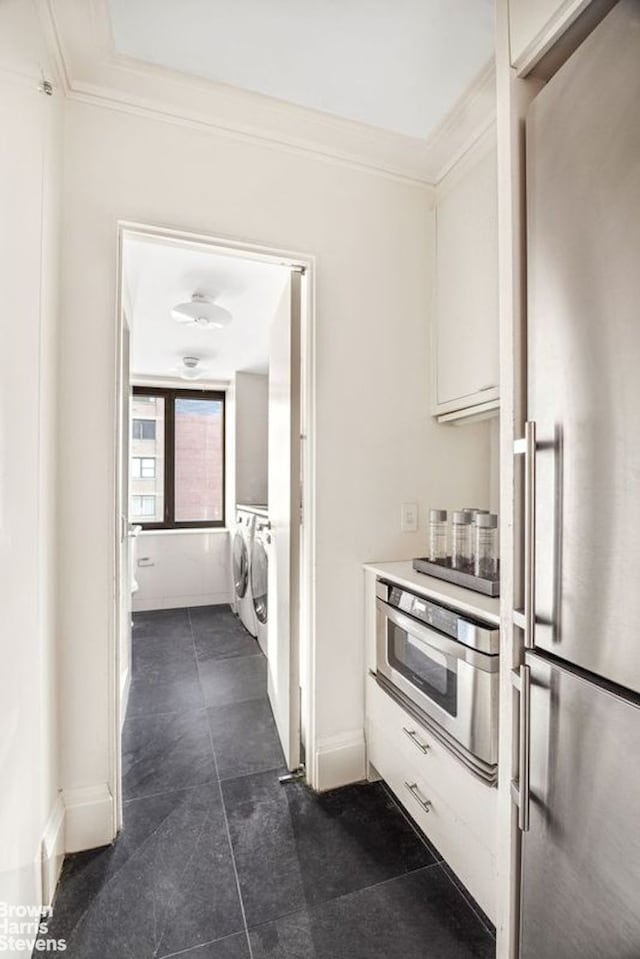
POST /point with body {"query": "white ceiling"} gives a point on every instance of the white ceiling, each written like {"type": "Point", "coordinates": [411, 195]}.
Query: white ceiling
{"type": "Point", "coordinates": [160, 274]}
{"type": "Point", "coordinates": [396, 64]}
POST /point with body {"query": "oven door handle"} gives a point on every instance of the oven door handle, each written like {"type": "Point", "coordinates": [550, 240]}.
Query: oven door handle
{"type": "Point", "coordinates": [432, 639]}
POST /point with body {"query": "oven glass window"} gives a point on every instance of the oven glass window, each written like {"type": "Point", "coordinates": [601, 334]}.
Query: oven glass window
{"type": "Point", "coordinates": [426, 669]}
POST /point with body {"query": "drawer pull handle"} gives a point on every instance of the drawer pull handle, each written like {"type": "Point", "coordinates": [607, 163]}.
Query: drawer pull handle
{"type": "Point", "coordinates": [415, 792]}
{"type": "Point", "coordinates": [413, 736]}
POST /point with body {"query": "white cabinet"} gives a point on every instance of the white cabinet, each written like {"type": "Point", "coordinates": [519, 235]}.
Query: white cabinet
{"type": "Point", "coordinates": [461, 814]}
{"type": "Point", "coordinates": [456, 811]}
{"type": "Point", "coordinates": [535, 25]}
{"type": "Point", "coordinates": [465, 330]}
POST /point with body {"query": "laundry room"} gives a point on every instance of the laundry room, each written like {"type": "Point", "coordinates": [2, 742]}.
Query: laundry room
{"type": "Point", "coordinates": [201, 325]}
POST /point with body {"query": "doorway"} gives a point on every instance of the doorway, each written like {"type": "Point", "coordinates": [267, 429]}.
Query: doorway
{"type": "Point", "coordinates": [287, 531]}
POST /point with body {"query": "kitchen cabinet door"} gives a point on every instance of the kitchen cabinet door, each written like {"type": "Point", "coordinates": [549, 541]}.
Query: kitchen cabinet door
{"type": "Point", "coordinates": [469, 851]}
{"type": "Point", "coordinates": [465, 341]}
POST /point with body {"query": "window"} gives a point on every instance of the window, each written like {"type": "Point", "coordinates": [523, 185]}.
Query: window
{"type": "Point", "coordinates": [144, 506]}
{"type": "Point", "coordinates": [144, 429]}
{"type": "Point", "coordinates": [177, 463]}
{"type": "Point", "coordinates": [147, 482]}
{"type": "Point", "coordinates": [198, 465]}
{"type": "Point", "coordinates": [143, 467]}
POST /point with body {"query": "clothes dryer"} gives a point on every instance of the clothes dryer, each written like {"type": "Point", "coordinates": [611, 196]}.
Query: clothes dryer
{"type": "Point", "coordinates": [241, 549]}
{"type": "Point", "coordinates": [259, 577]}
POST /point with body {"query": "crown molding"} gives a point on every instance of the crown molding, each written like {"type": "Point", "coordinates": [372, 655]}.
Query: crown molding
{"type": "Point", "coordinates": [54, 47]}
{"type": "Point", "coordinates": [91, 72]}
{"type": "Point", "coordinates": [476, 151]}
{"type": "Point", "coordinates": [468, 121]}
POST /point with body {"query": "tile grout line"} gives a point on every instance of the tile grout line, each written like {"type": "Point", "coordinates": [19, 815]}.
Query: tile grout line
{"type": "Point", "coordinates": [222, 803]}
{"type": "Point", "coordinates": [158, 942]}
{"type": "Point", "coordinates": [310, 909]}
{"type": "Point", "coordinates": [172, 898]}
{"type": "Point", "coordinates": [168, 792]}
{"type": "Point", "coordinates": [466, 895]}
{"type": "Point", "coordinates": [202, 945]}
{"type": "Point", "coordinates": [111, 879]}
{"type": "Point", "coordinates": [168, 712]}
{"type": "Point", "coordinates": [445, 868]}
{"type": "Point", "coordinates": [258, 772]}
{"type": "Point", "coordinates": [123, 865]}
{"type": "Point", "coordinates": [81, 918]}
{"type": "Point", "coordinates": [375, 885]}
{"type": "Point", "coordinates": [437, 863]}
{"type": "Point", "coordinates": [196, 709]}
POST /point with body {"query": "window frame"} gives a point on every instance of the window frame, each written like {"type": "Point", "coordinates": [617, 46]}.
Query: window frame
{"type": "Point", "coordinates": [143, 419]}
{"type": "Point", "coordinates": [141, 475]}
{"type": "Point", "coordinates": [170, 395]}
{"type": "Point", "coordinates": [142, 496]}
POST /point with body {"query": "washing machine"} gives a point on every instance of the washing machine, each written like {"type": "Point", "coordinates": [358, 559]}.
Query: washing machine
{"type": "Point", "coordinates": [259, 577]}
{"type": "Point", "coordinates": [241, 549]}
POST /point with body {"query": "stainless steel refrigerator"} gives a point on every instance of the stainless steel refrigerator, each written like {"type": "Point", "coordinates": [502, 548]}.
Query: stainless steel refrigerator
{"type": "Point", "coordinates": [579, 787]}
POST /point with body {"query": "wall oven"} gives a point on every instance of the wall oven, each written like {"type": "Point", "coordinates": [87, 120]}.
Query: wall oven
{"type": "Point", "coordinates": [443, 666]}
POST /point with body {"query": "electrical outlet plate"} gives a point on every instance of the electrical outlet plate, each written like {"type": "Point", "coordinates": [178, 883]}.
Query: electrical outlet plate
{"type": "Point", "coordinates": [409, 518]}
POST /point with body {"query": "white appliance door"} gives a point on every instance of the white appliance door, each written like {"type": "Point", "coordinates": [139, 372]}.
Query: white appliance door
{"type": "Point", "coordinates": [283, 641]}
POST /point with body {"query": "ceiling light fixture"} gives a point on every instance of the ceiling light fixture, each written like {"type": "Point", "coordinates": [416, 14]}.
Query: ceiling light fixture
{"type": "Point", "coordinates": [191, 369]}
{"type": "Point", "coordinates": [202, 311]}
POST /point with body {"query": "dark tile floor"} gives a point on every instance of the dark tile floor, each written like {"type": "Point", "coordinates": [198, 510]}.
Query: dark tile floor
{"type": "Point", "coordinates": [217, 860]}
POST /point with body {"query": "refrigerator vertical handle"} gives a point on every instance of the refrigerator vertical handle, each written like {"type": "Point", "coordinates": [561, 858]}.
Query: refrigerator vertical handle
{"type": "Point", "coordinates": [524, 746]}
{"type": "Point", "coordinates": [530, 534]}
{"type": "Point", "coordinates": [521, 786]}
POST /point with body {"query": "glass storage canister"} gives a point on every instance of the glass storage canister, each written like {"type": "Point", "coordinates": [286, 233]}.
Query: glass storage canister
{"type": "Point", "coordinates": [473, 511]}
{"type": "Point", "coordinates": [462, 541]}
{"type": "Point", "coordinates": [486, 546]}
{"type": "Point", "coordinates": [438, 536]}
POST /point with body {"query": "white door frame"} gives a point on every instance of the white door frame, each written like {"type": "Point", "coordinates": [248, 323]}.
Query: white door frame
{"type": "Point", "coordinates": [229, 247]}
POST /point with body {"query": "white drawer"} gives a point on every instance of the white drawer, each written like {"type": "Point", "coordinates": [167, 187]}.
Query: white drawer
{"type": "Point", "coordinates": [468, 857]}
{"type": "Point", "coordinates": [473, 801]}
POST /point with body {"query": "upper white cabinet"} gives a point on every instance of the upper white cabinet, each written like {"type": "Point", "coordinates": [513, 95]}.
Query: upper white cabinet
{"type": "Point", "coordinates": [465, 330]}
{"type": "Point", "coordinates": [535, 25]}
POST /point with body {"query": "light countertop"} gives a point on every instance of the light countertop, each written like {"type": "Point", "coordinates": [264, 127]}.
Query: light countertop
{"type": "Point", "coordinates": [457, 597]}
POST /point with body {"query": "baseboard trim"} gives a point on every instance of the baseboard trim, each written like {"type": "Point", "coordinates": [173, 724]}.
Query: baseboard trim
{"type": "Point", "coordinates": [89, 817]}
{"type": "Point", "coordinates": [339, 760]}
{"type": "Point", "coordinates": [143, 605]}
{"type": "Point", "coordinates": [52, 851]}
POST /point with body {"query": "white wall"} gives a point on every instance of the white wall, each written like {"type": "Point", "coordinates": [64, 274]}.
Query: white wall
{"type": "Point", "coordinates": [30, 181]}
{"type": "Point", "coordinates": [182, 568]}
{"type": "Point", "coordinates": [377, 445]}
{"type": "Point", "coordinates": [252, 441]}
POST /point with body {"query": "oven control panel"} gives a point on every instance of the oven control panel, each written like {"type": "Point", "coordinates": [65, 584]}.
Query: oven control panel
{"type": "Point", "coordinates": [472, 633]}
{"type": "Point", "coordinates": [427, 612]}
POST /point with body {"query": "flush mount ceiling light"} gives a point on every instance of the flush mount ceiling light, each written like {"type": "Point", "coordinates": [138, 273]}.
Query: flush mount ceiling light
{"type": "Point", "coordinates": [202, 311]}
{"type": "Point", "coordinates": [190, 368]}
